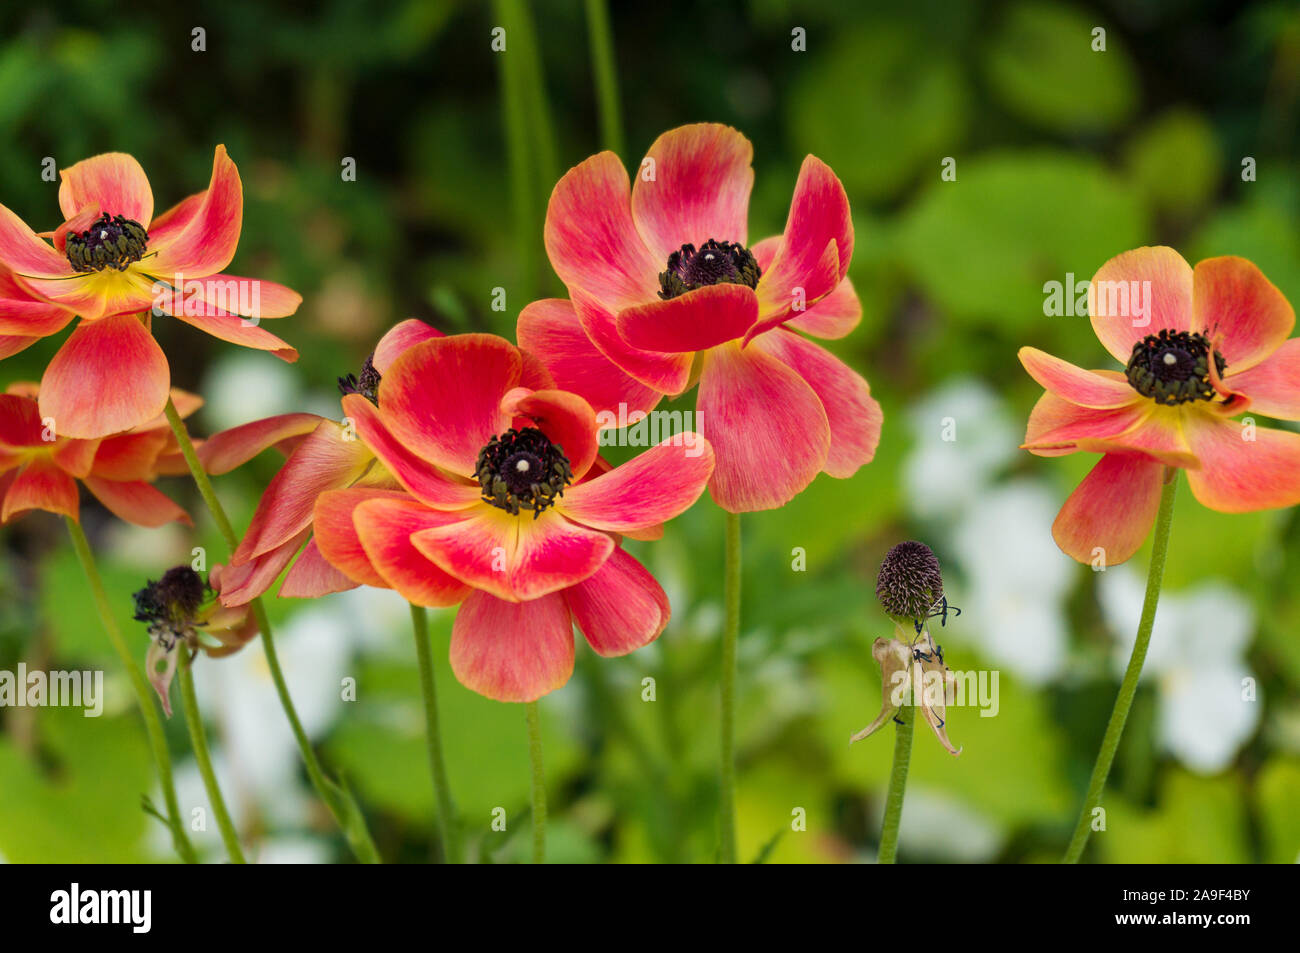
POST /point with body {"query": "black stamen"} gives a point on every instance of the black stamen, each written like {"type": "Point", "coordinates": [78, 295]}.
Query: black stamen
{"type": "Point", "coordinates": [1173, 367]}
{"type": "Point", "coordinates": [367, 385]}
{"type": "Point", "coordinates": [522, 469]}
{"type": "Point", "coordinates": [110, 242]}
{"type": "Point", "coordinates": [713, 264]}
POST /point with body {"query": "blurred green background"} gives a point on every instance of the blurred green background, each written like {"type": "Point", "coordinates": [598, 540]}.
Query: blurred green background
{"type": "Point", "coordinates": [1064, 157]}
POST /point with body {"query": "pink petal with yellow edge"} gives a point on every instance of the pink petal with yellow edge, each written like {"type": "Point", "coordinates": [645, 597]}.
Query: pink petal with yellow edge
{"type": "Point", "coordinates": [566, 419]}
{"type": "Point", "coordinates": [40, 485]}
{"type": "Point", "coordinates": [550, 329]}
{"type": "Point", "coordinates": [401, 337]}
{"type": "Point", "coordinates": [1241, 310]}
{"type": "Point", "coordinates": [224, 451]}
{"type": "Point", "coordinates": [781, 299]}
{"type": "Point", "coordinates": [114, 182]}
{"type": "Point", "coordinates": [336, 534]}
{"type": "Point", "coordinates": [25, 316]}
{"type": "Point", "coordinates": [660, 371]}
{"type": "Point", "coordinates": [852, 413]}
{"type": "Point", "coordinates": [25, 253]}
{"type": "Point", "coordinates": [592, 240]}
{"type": "Point", "coordinates": [1158, 433]}
{"type": "Point", "coordinates": [1139, 293]}
{"type": "Point", "coordinates": [1097, 389]}
{"type": "Point", "coordinates": [109, 376]}
{"type": "Point", "coordinates": [95, 294]}
{"type": "Point", "coordinates": [326, 460]}
{"type": "Point", "coordinates": [1243, 468]}
{"type": "Point", "coordinates": [1112, 510]}
{"type": "Point", "coordinates": [695, 321]}
{"type": "Point", "coordinates": [515, 557]}
{"type": "Point", "coordinates": [442, 398]}
{"type": "Point", "coordinates": [242, 584]}
{"type": "Point", "coordinates": [620, 608]}
{"type": "Point", "coordinates": [422, 479]}
{"type": "Point", "coordinates": [385, 525]}
{"type": "Point", "coordinates": [768, 428]}
{"type": "Point", "coordinates": [1056, 425]}
{"type": "Point", "coordinates": [312, 576]}
{"type": "Point", "coordinates": [650, 489]}
{"type": "Point", "coordinates": [512, 651]}
{"type": "Point", "coordinates": [1273, 386]}
{"type": "Point", "coordinates": [700, 189]}
{"type": "Point", "coordinates": [198, 237]}
{"type": "Point", "coordinates": [237, 330]}
{"type": "Point", "coordinates": [220, 295]}
{"type": "Point", "coordinates": [137, 502]}
{"type": "Point", "coordinates": [11, 344]}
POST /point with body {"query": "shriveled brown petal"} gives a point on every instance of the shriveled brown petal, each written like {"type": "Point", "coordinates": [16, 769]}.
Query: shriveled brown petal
{"type": "Point", "coordinates": [934, 702]}
{"type": "Point", "coordinates": [893, 657]}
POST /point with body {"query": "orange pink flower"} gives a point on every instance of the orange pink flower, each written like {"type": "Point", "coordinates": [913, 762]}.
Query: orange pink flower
{"type": "Point", "coordinates": [665, 290]}
{"type": "Point", "coordinates": [506, 508]}
{"type": "Point", "coordinates": [114, 264]}
{"type": "Point", "coordinates": [1199, 346]}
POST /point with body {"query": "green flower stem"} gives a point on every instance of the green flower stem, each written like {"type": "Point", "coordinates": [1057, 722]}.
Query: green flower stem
{"type": "Point", "coordinates": [897, 784]}
{"type": "Point", "coordinates": [337, 798]}
{"type": "Point", "coordinates": [448, 825]}
{"type": "Point", "coordinates": [730, 635]}
{"type": "Point", "coordinates": [199, 741]}
{"type": "Point", "coordinates": [143, 693]}
{"type": "Point", "coordinates": [538, 782]}
{"type": "Point", "coordinates": [606, 76]}
{"type": "Point", "coordinates": [1128, 687]}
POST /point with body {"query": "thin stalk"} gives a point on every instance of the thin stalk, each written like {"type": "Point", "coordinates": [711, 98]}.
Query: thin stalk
{"type": "Point", "coordinates": [605, 74]}
{"type": "Point", "coordinates": [1128, 687]}
{"type": "Point", "coordinates": [448, 826]}
{"type": "Point", "coordinates": [199, 741]}
{"type": "Point", "coordinates": [897, 784]}
{"type": "Point", "coordinates": [336, 798]}
{"type": "Point", "coordinates": [730, 636]}
{"type": "Point", "coordinates": [143, 694]}
{"type": "Point", "coordinates": [538, 782]}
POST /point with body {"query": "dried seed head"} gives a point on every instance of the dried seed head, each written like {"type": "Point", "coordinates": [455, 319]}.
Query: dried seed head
{"type": "Point", "coordinates": [909, 582]}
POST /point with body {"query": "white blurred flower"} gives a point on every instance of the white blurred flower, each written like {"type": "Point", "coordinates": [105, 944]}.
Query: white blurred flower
{"type": "Point", "coordinates": [963, 436]}
{"type": "Point", "coordinates": [940, 825]}
{"type": "Point", "coordinates": [1196, 656]}
{"type": "Point", "coordinates": [1016, 579]}
{"type": "Point", "coordinates": [247, 385]}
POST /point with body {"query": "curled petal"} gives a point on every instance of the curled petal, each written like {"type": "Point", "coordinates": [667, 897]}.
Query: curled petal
{"type": "Point", "coordinates": [566, 419]}
{"type": "Point", "coordinates": [695, 321]}
{"type": "Point", "coordinates": [1139, 293]}
{"type": "Point", "coordinates": [401, 337]}
{"type": "Point", "coordinates": [1111, 512]}
{"type": "Point", "coordinates": [512, 651]}
{"type": "Point", "coordinates": [198, 237]}
{"type": "Point", "coordinates": [161, 680]}
{"type": "Point", "coordinates": [895, 662]}
{"type": "Point", "coordinates": [663, 372]}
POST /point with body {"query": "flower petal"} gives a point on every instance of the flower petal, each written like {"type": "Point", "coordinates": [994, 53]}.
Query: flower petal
{"type": "Point", "coordinates": [198, 237]}
{"type": "Point", "coordinates": [1273, 385]}
{"type": "Point", "coordinates": [241, 331]}
{"type": "Point", "coordinates": [336, 535]}
{"type": "Point", "coordinates": [515, 557]}
{"type": "Point", "coordinates": [385, 525]}
{"type": "Point", "coordinates": [422, 479]}
{"type": "Point", "coordinates": [663, 372]}
{"type": "Point", "coordinates": [649, 489]}
{"type": "Point", "coordinates": [1138, 293]}
{"type": "Point", "coordinates": [767, 426]}
{"type": "Point", "coordinates": [312, 576]}
{"type": "Point", "coordinates": [220, 295]}
{"type": "Point", "coordinates": [700, 188]}
{"type": "Point", "coordinates": [1240, 309]}
{"type": "Point", "coordinates": [110, 375]}
{"type": "Point", "coordinates": [95, 294]}
{"type": "Point", "coordinates": [399, 338]}
{"type": "Point", "coordinates": [1086, 388]}
{"type": "Point", "coordinates": [442, 398]}
{"type": "Point", "coordinates": [24, 252]}
{"type": "Point", "coordinates": [621, 607]}
{"type": "Point", "coordinates": [1158, 433]}
{"type": "Point", "coordinates": [327, 459]}
{"type": "Point", "coordinates": [852, 413]}
{"type": "Point", "coordinates": [11, 344]}
{"type": "Point", "coordinates": [40, 485]}
{"type": "Point", "coordinates": [1113, 509]}
{"type": "Point", "coordinates": [136, 502]}
{"type": "Point", "coordinates": [23, 315]}
{"type": "Point", "coordinates": [592, 240]}
{"type": "Point", "coordinates": [242, 584]}
{"type": "Point", "coordinates": [695, 321]}
{"type": "Point", "coordinates": [224, 451]}
{"type": "Point", "coordinates": [551, 330]}
{"type": "Point", "coordinates": [512, 651]}
{"type": "Point", "coordinates": [1056, 425]}
{"type": "Point", "coordinates": [1243, 468]}
{"type": "Point", "coordinates": [114, 181]}
{"type": "Point", "coordinates": [566, 419]}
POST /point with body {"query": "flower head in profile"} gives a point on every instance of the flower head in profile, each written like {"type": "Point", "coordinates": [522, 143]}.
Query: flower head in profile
{"type": "Point", "coordinates": [183, 617]}
{"type": "Point", "coordinates": [114, 264]}
{"type": "Point", "coordinates": [40, 468]}
{"type": "Point", "coordinates": [666, 290]}
{"type": "Point", "coordinates": [912, 668]}
{"type": "Point", "coordinates": [322, 454]}
{"type": "Point", "coordinates": [1199, 346]}
{"type": "Point", "coordinates": [505, 507]}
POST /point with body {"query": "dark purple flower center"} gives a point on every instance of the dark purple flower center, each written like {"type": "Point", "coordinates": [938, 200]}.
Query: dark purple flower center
{"type": "Point", "coordinates": [171, 604]}
{"type": "Point", "coordinates": [110, 242]}
{"type": "Point", "coordinates": [522, 469]}
{"type": "Point", "coordinates": [909, 583]}
{"type": "Point", "coordinates": [1173, 367]}
{"type": "Point", "coordinates": [367, 385]}
{"type": "Point", "coordinates": [713, 263]}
